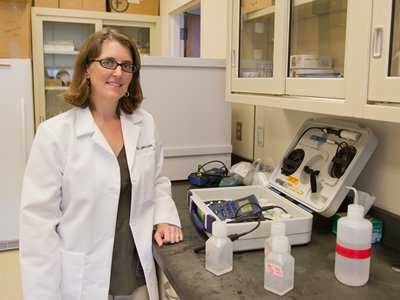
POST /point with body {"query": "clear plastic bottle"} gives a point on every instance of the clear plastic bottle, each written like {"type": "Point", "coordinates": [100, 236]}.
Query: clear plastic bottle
{"type": "Point", "coordinates": [219, 250]}
{"type": "Point", "coordinates": [279, 267]}
{"type": "Point", "coordinates": [353, 246]}
{"type": "Point", "coordinates": [278, 228]}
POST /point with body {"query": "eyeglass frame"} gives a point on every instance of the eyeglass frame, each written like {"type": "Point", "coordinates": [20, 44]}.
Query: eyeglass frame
{"type": "Point", "coordinates": [134, 67]}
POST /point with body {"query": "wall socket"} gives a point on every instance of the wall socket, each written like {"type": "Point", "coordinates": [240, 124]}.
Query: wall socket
{"type": "Point", "coordinates": [239, 131]}
{"type": "Point", "coordinates": [260, 136]}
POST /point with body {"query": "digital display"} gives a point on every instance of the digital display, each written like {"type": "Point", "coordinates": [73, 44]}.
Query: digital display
{"type": "Point", "coordinates": [244, 207]}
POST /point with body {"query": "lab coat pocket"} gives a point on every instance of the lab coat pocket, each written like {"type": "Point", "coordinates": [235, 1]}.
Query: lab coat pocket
{"type": "Point", "coordinates": [72, 274]}
{"type": "Point", "coordinates": [144, 174]}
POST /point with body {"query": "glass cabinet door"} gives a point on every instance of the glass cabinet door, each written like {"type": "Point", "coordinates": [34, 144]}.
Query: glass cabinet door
{"type": "Point", "coordinates": [384, 79]}
{"type": "Point", "coordinates": [258, 43]}
{"type": "Point", "coordinates": [61, 44]}
{"type": "Point", "coordinates": [144, 34]}
{"type": "Point", "coordinates": [56, 43]}
{"type": "Point", "coordinates": [317, 48]}
{"type": "Point", "coordinates": [140, 35]}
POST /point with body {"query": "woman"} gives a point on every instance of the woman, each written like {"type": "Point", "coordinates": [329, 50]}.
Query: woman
{"type": "Point", "coordinates": [93, 190]}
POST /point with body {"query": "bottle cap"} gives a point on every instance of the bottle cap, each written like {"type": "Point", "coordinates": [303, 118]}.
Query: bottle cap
{"type": "Point", "coordinates": [219, 228]}
{"type": "Point", "coordinates": [280, 244]}
{"type": "Point", "coordinates": [278, 228]}
{"type": "Point", "coordinates": [355, 212]}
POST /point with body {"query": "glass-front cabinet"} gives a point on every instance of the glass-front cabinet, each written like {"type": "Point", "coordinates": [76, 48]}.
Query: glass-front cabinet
{"type": "Point", "coordinates": [290, 47]}
{"type": "Point", "coordinates": [384, 79]}
{"type": "Point", "coordinates": [259, 36]}
{"type": "Point", "coordinates": [57, 36]}
{"type": "Point", "coordinates": [339, 57]}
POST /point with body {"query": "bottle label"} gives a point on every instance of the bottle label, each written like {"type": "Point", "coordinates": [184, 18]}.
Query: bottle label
{"type": "Point", "coordinates": [274, 269]}
{"type": "Point", "coordinates": [352, 253]}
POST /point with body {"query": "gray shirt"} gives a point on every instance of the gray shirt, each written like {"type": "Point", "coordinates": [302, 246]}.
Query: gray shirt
{"type": "Point", "coordinates": [126, 271]}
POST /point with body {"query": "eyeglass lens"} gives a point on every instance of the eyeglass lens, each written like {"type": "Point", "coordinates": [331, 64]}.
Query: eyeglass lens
{"type": "Point", "coordinates": [112, 64]}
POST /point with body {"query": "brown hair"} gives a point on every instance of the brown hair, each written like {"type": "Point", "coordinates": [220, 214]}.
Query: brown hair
{"type": "Point", "coordinates": [78, 93]}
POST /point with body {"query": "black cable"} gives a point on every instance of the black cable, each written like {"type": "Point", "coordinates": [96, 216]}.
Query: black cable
{"type": "Point", "coordinates": [292, 162]}
{"type": "Point", "coordinates": [342, 159]}
{"type": "Point", "coordinates": [201, 167]}
{"type": "Point", "coordinates": [213, 178]}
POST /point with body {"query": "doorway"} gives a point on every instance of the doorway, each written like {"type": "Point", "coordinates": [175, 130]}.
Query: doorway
{"type": "Point", "coordinates": [191, 29]}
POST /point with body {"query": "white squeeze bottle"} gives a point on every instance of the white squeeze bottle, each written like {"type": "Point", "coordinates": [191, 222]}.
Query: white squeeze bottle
{"type": "Point", "coordinates": [353, 246]}
{"type": "Point", "coordinates": [279, 267]}
{"type": "Point", "coordinates": [219, 250]}
{"type": "Point", "coordinates": [278, 228]}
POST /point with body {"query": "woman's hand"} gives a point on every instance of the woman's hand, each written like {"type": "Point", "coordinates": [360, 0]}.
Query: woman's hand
{"type": "Point", "coordinates": [168, 234]}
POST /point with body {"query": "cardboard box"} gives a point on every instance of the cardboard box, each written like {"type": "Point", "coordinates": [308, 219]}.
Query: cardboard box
{"type": "Point", "coordinates": [377, 226]}
{"type": "Point", "coordinates": [15, 29]}
{"type": "Point", "coordinates": [47, 3]}
{"type": "Point", "coordinates": [305, 61]}
{"type": "Point", "coordinates": [71, 4]}
{"type": "Point", "coordinates": [95, 5]}
{"type": "Point", "coordinates": [141, 7]}
{"type": "Point", "coordinates": [254, 5]}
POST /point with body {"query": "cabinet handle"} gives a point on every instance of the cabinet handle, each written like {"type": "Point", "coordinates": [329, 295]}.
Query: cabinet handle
{"type": "Point", "coordinates": [377, 42]}
{"type": "Point", "coordinates": [233, 59]}
{"type": "Point", "coordinates": [5, 65]}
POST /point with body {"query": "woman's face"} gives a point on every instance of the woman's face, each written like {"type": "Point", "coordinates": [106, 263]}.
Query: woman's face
{"type": "Point", "coordinates": [108, 84]}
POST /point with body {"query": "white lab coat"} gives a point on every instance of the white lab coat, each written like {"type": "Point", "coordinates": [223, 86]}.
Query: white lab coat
{"type": "Point", "coordinates": [70, 200]}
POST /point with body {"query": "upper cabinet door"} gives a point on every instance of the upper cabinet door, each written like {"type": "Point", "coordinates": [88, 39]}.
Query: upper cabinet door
{"type": "Point", "coordinates": [56, 42]}
{"type": "Point", "coordinates": [294, 48]}
{"type": "Point", "coordinates": [384, 78]}
{"type": "Point", "coordinates": [259, 42]}
{"type": "Point", "coordinates": [57, 35]}
{"type": "Point", "coordinates": [317, 48]}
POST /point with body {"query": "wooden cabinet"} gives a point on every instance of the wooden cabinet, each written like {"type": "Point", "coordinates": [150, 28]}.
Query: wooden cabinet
{"type": "Point", "coordinates": [314, 55]}
{"type": "Point", "coordinates": [57, 35]}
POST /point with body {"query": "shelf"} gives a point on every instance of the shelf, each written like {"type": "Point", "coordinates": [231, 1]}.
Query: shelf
{"type": "Point", "coordinates": [56, 88]}
{"type": "Point", "coordinates": [260, 13]}
{"type": "Point", "coordinates": [60, 52]}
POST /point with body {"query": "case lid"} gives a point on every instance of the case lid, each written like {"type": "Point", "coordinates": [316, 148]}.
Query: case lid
{"type": "Point", "coordinates": [325, 156]}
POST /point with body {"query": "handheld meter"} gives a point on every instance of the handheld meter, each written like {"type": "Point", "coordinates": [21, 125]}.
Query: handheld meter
{"type": "Point", "coordinates": [231, 209]}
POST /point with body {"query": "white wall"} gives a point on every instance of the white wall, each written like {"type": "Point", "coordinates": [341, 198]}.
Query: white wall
{"type": "Point", "coordinates": [213, 27]}
{"type": "Point", "coordinates": [243, 114]}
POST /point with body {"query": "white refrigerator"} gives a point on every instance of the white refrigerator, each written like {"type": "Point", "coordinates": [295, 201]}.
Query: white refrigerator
{"type": "Point", "coordinates": [16, 132]}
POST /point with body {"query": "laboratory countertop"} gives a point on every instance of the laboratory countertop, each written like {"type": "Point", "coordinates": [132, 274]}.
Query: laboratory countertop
{"type": "Point", "coordinates": [314, 265]}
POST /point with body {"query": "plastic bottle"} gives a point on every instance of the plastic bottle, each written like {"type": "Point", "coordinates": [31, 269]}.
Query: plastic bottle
{"type": "Point", "coordinates": [278, 228]}
{"type": "Point", "coordinates": [353, 246]}
{"type": "Point", "coordinates": [279, 267]}
{"type": "Point", "coordinates": [219, 250]}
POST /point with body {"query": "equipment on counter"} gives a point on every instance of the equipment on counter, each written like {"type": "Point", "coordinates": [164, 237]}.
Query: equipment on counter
{"type": "Point", "coordinates": [325, 156]}
{"type": "Point", "coordinates": [211, 177]}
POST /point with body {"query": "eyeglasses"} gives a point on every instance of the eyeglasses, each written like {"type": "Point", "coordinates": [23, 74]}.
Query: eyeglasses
{"type": "Point", "coordinates": [112, 65]}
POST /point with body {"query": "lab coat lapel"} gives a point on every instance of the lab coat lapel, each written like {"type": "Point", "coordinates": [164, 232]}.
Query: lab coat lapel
{"type": "Point", "coordinates": [131, 134]}
{"type": "Point", "coordinates": [86, 125]}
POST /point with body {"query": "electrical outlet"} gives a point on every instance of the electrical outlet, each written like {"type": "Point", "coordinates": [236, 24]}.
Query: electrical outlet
{"type": "Point", "coordinates": [260, 136]}
{"type": "Point", "coordinates": [239, 131]}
